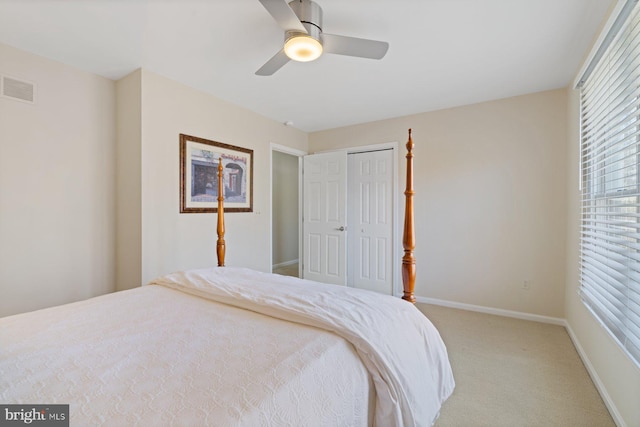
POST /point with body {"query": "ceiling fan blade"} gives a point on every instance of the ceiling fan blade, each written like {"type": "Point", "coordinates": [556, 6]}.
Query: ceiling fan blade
{"type": "Point", "coordinates": [352, 46]}
{"type": "Point", "coordinates": [284, 16]}
{"type": "Point", "coordinates": [274, 64]}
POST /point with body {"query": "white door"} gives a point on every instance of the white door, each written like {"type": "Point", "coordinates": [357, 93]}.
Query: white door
{"type": "Point", "coordinates": [370, 207]}
{"type": "Point", "coordinates": [324, 217]}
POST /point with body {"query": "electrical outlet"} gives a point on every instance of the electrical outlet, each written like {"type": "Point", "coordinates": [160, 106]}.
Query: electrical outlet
{"type": "Point", "coordinates": [526, 285]}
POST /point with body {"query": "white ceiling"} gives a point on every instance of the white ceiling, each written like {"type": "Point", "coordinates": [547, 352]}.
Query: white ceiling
{"type": "Point", "coordinates": [442, 53]}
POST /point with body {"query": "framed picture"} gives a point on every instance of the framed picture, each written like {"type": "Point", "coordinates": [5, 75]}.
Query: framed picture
{"type": "Point", "coordinates": [199, 159]}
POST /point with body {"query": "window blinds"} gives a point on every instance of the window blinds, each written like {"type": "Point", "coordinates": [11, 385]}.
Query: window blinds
{"type": "Point", "coordinates": [610, 160]}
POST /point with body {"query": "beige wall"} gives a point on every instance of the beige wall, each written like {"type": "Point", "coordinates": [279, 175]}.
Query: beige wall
{"type": "Point", "coordinates": [57, 186]}
{"type": "Point", "coordinates": [481, 172]}
{"type": "Point", "coordinates": [490, 199]}
{"type": "Point", "coordinates": [615, 373]}
{"type": "Point", "coordinates": [172, 241]}
{"type": "Point", "coordinates": [92, 205]}
{"type": "Point", "coordinates": [128, 181]}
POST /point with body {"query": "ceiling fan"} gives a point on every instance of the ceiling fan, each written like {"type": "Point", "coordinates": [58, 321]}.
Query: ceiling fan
{"type": "Point", "coordinates": [301, 21]}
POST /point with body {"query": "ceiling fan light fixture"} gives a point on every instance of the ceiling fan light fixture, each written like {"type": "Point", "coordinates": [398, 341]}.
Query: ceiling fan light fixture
{"type": "Point", "coordinates": [303, 48]}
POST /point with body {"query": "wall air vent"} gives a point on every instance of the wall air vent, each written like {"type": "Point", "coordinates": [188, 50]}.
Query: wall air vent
{"type": "Point", "coordinates": [19, 90]}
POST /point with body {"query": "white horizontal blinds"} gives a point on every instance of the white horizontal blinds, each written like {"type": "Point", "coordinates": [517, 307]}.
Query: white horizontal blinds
{"type": "Point", "coordinates": [610, 151]}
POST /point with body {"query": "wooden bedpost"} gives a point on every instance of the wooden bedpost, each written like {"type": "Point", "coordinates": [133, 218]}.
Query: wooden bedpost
{"type": "Point", "coordinates": [221, 248]}
{"type": "Point", "coordinates": [409, 234]}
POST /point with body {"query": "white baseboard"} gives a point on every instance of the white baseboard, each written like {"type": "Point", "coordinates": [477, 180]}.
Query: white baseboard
{"type": "Point", "coordinates": [491, 310]}
{"type": "Point", "coordinates": [617, 418]}
{"type": "Point", "coordinates": [284, 264]}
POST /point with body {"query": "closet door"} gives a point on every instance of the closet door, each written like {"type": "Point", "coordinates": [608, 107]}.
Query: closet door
{"type": "Point", "coordinates": [324, 217]}
{"type": "Point", "coordinates": [370, 219]}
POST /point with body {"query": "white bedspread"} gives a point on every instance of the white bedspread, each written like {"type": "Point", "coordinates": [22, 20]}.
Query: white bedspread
{"type": "Point", "coordinates": [229, 347]}
{"type": "Point", "coordinates": [401, 349]}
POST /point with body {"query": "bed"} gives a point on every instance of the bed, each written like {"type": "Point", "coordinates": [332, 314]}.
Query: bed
{"type": "Point", "coordinates": [229, 346]}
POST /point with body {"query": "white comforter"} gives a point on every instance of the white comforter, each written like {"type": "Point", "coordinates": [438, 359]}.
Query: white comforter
{"type": "Point", "coordinates": [401, 349]}
{"type": "Point", "coordinates": [204, 356]}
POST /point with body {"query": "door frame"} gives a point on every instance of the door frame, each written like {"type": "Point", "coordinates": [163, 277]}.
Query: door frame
{"type": "Point", "coordinates": [299, 154]}
{"type": "Point", "coordinates": [394, 146]}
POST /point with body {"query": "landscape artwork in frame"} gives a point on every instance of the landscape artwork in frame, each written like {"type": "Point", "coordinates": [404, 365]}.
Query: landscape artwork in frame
{"type": "Point", "coordinates": [199, 159]}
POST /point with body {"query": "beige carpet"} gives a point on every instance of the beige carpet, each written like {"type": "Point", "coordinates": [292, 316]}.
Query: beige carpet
{"type": "Point", "coordinates": [287, 270]}
{"type": "Point", "coordinates": [512, 372]}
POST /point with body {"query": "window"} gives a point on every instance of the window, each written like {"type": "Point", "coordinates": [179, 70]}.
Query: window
{"type": "Point", "coordinates": [610, 160]}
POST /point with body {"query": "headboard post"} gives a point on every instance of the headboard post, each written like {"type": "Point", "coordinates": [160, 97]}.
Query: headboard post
{"type": "Point", "coordinates": [409, 234]}
{"type": "Point", "coordinates": [220, 247]}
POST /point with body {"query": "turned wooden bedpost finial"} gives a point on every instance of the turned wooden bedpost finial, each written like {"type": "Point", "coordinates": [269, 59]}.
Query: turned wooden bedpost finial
{"type": "Point", "coordinates": [221, 248]}
{"type": "Point", "coordinates": [409, 234]}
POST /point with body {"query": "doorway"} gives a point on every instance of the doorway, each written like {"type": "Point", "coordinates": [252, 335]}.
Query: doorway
{"type": "Point", "coordinates": [350, 218]}
{"type": "Point", "coordinates": [285, 211]}
{"type": "Point", "coordinates": [378, 263]}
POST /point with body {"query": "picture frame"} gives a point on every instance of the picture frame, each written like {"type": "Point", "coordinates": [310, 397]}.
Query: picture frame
{"type": "Point", "coordinates": [199, 159]}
